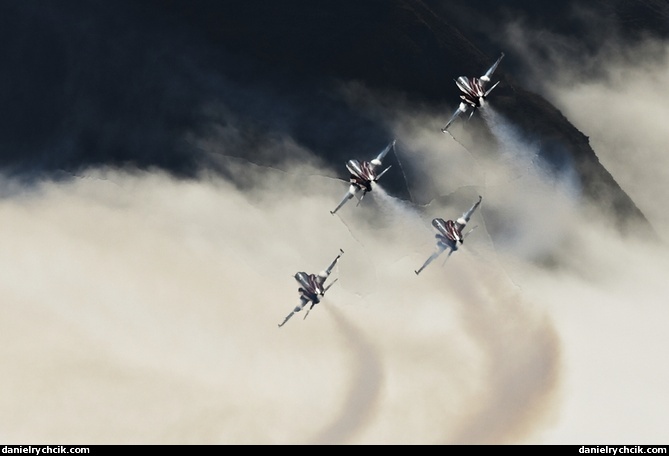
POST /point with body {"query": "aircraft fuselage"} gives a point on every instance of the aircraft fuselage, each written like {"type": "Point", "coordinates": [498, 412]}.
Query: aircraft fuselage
{"type": "Point", "coordinates": [362, 174]}
{"type": "Point", "coordinates": [310, 286]}
{"type": "Point", "coordinates": [472, 91]}
{"type": "Point", "coordinates": [449, 232]}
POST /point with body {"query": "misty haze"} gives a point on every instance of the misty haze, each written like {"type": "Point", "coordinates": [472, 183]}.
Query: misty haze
{"type": "Point", "coordinates": [149, 253]}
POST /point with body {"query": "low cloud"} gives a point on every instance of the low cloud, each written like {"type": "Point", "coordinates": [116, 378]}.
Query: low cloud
{"type": "Point", "coordinates": [141, 308]}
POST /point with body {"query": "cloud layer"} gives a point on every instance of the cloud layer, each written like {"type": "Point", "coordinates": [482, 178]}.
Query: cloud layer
{"type": "Point", "coordinates": [141, 308]}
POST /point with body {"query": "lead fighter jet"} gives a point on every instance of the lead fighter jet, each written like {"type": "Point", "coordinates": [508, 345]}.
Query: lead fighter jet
{"type": "Point", "coordinates": [449, 234]}
{"type": "Point", "coordinates": [311, 288]}
{"type": "Point", "coordinates": [362, 176]}
{"type": "Point", "coordinates": [473, 93]}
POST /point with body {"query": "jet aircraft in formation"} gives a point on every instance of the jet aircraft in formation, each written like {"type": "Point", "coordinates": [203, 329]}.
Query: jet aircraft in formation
{"type": "Point", "coordinates": [449, 234]}
{"type": "Point", "coordinates": [312, 288]}
{"type": "Point", "coordinates": [473, 93]}
{"type": "Point", "coordinates": [362, 175]}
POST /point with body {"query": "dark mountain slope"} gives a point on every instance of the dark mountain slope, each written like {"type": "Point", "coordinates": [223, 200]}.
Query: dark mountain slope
{"type": "Point", "coordinates": [88, 82]}
{"type": "Point", "coordinates": [410, 47]}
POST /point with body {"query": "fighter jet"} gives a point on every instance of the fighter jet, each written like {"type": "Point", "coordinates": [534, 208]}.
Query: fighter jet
{"type": "Point", "coordinates": [311, 288]}
{"type": "Point", "coordinates": [473, 93]}
{"type": "Point", "coordinates": [449, 234]}
{"type": "Point", "coordinates": [362, 176]}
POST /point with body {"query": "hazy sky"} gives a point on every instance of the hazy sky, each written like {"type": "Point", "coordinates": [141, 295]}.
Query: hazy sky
{"type": "Point", "coordinates": [139, 308]}
{"type": "Point", "coordinates": [612, 318]}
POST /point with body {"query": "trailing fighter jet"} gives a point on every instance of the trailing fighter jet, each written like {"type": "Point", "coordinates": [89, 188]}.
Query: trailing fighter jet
{"type": "Point", "coordinates": [362, 176]}
{"type": "Point", "coordinates": [311, 288]}
{"type": "Point", "coordinates": [473, 93]}
{"type": "Point", "coordinates": [449, 234]}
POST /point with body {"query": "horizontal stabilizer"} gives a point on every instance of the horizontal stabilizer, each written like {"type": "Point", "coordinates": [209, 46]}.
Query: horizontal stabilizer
{"type": "Point", "coordinates": [309, 309]}
{"type": "Point", "coordinates": [361, 197]}
{"type": "Point", "coordinates": [328, 287]}
{"type": "Point", "coordinates": [490, 89]}
{"type": "Point", "coordinates": [382, 173]}
{"type": "Point", "coordinates": [447, 257]}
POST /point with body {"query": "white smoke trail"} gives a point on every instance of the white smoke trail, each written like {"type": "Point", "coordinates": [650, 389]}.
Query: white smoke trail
{"type": "Point", "coordinates": [521, 360]}
{"type": "Point", "coordinates": [401, 214]}
{"type": "Point", "coordinates": [522, 188]}
{"type": "Point", "coordinates": [165, 312]}
{"type": "Point", "coordinates": [608, 299]}
{"type": "Point", "coordinates": [143, 309]}
{"type": "Point", "coordinates": [361, 400]}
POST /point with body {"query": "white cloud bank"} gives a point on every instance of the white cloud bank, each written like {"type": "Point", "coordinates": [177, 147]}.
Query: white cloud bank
{"type": "Point", "coordinates": [142, 309]}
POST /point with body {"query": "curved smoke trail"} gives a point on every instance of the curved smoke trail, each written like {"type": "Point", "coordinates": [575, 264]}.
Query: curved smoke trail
{"type": "Point", "coordinates": [520, 350]}
{"type": "Point", "coordinates": [363, 394]}
{"type": "Point", "coordinates": [521, 361]}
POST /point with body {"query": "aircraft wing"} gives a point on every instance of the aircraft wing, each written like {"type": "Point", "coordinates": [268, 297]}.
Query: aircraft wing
{"type": "Point", "coordinates": [491, 70]}
{"type": "Point", "coordinates": [490, 89]}
{"type": "Point", "coordinates": [440, 249]}
{"type": "Point", "coordinates": [303, 302]}
{"type": "Point", "coordinates": [461, 109]}
{"type": "Point", "coordinates": [349, 194]}
{"type": "Point", "coordinates": [328, 287]}
{"type": "Point", "coordinates": [326, 273]}
{"type": "Point", "coordinates": [470, 231]}
{"type": "Point", "coordinates": [286, 319]}
{"type": "Point", "coordinates": [467, 215]}
{"type": "Point", "coordinates": [384, 152]}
